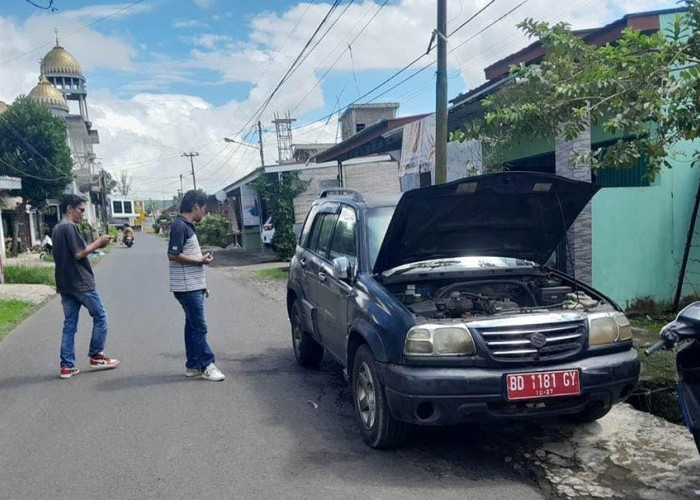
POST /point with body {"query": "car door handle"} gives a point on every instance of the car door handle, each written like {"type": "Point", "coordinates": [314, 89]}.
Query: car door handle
{"type": "Point", "coordinates": [302, 262]}
{"type": "Point", "coordinates": [322, 276]}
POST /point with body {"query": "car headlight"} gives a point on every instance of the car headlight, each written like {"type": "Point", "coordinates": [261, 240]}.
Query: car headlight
{"type": "Point", "coordinates": [608, 329]}
{"type": "Point", "coordinates": [437, 340]}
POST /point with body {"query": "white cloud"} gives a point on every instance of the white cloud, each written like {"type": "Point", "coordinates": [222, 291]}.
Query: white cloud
{"type": "Point", "coordinates": [192, 23]}
{"type": "Point", "coordinates": [212, 41]}
{"type": "Point", "coordinates": [116, 10]}
{"type": "Point", "coordinates": [145, 133]}
{"type": "Point", "coordinates": [204, 4]}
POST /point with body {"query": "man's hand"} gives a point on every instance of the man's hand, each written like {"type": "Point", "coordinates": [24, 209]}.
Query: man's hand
{"type": "Point", "coordinates": [104, 240]}
{"type": "Point", "coordinates": [207, 258]}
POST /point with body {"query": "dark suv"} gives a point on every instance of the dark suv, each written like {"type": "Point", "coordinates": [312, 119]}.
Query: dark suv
{"type": "Point", "coordinates": [441, 308]}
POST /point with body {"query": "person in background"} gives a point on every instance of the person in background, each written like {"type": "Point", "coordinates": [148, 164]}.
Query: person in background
{"type": "Point", "coordinates": [75, 282]}
{"type": "Point", "coordinates": [189, 284]}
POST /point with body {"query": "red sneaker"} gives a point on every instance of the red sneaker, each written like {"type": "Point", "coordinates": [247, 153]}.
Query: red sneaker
{"type": "Point", "coordinates": [69, 371]}
{"type": "Point", "coordinates": [102, 362]}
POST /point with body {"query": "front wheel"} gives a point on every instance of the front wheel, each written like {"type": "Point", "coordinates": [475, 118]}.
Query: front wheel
{"type": "Point", "coordinates": [379, 428]}
{"type": "Point", "coordinates": [307, 351]}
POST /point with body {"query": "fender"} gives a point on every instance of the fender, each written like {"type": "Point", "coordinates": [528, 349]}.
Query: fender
{"type": "Point", "coordinates": [307, 309]}
{"type": "Point", "coordinates": [371, 336]}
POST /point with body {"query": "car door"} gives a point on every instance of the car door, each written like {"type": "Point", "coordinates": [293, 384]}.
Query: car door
{"type": "Point", "coordinates": [332, 293]}
{"type": "Point", "coordinates": [314, 257]}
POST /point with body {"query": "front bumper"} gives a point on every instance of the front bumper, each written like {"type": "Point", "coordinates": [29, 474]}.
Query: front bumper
{"type": "Point", "coordinates": [445, 396]}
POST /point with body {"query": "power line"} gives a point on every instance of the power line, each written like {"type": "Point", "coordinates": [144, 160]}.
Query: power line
{"type": "Point", "coordinates": [261, 109]}
{"type": "Point", "coordinates": [410, 64]}
{"type": "Point", "coordinates": [349, 48]}
{"type": "Point", "coordinates": [26, 174]}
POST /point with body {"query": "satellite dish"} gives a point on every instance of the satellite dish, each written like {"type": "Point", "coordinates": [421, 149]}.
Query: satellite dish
{"type": "Point", "coordinates": [220, 196]}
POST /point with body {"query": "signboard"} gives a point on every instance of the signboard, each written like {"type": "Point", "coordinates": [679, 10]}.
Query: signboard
{"type": "Point", "coordinates": [249, 206]}
{"type": "Point", "coordinates": [10, 182]}
{"type": "Point", "coordinates": [417, 164]}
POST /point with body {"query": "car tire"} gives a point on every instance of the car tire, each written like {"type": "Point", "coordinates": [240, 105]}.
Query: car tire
{"type": "Point", "coordinates": [591, 414]}
{"type": "Point", "coordinates": [380, 430]}
{"type": "Point", "coordinates": [307, 351]}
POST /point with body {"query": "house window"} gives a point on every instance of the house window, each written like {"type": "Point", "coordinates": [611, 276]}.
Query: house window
{"type": "Point", "coordinates": [127, 207]}
{"type": "Point", "coordinates": [117, 207]}
{"type": "Point", "coordinates": [359, 126]}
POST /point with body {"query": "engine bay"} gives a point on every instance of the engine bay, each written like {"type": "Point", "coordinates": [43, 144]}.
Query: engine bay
{"type": "Point", "coordinates": [464, 298]}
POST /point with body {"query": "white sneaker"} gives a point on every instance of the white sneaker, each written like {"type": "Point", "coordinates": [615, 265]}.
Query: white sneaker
{"type": "Point", "coordinates": [212, 373]}
{"type": "Point", "coordinates": [193, 372]}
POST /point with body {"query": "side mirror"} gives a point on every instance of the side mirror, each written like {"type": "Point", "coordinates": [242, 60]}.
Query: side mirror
{"type": "Point", "coordinates": [341, 268]}
{"type": "Point", "coordinates": [690, 315]}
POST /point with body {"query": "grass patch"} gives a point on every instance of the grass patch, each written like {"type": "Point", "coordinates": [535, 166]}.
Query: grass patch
{"type": "Point", "coordinates": [30, 275]}
{"type": "Point", "coordinates": [278, 273]}
{"type": "Point", "coordinates": [653, 322]}
{"type": "Point", "coordinates": [12, 312]}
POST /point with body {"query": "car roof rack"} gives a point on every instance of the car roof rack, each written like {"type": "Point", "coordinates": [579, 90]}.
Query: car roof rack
{"type": "Point", "coordinates": [354, 194]}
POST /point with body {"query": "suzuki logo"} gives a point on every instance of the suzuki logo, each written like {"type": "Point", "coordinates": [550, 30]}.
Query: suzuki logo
{"type": "Point", "coordinates": [538, 340]}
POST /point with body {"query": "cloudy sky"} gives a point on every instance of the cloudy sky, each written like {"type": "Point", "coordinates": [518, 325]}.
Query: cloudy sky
{"type": "Point", "coordinates": [168, 76]}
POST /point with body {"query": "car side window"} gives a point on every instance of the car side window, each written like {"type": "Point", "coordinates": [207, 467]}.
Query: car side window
{"type": "Point", "coordinates": [325, 233]}
{"type": "Point", "coordinates": [306, 239]}
{"type": "Point", "coordinates": [310, 243]}
{"type": "Point", "coordinates": [344, 241]}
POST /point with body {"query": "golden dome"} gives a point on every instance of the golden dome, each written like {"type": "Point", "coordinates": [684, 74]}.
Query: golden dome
{"type": "Point", "coordinates": [59, 62]}
{"type": "Point", "coordinates": [48, 95]}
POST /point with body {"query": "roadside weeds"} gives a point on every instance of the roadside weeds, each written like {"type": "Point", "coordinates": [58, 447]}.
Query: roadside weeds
{"type": "Point", "coordinates": [12, 313]}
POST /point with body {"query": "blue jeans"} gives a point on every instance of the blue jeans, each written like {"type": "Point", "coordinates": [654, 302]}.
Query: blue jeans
{"type": "Point", "coordinates": [197, 350]}
{"type": "Point", "coordinates": [71, 310]}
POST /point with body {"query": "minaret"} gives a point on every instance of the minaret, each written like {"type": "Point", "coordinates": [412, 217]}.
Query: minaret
{"type": "Point", "coordinates": [64, 72]}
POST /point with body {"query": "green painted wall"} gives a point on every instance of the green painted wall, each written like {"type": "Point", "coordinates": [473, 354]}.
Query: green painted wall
{"type": "Point", "coordinates": [639, 233]}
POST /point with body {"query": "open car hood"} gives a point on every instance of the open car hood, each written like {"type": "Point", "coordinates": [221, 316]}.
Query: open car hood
{"type": "Point", "coordinates": [510, 214]}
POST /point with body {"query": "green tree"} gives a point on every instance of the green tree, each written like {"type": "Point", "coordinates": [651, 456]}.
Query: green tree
{"type": "Point", "coordinates": [280, 194]}
{"type": "Point", "coordinates": [214, 230]}
{"type": "Point", "coordinates": [110, 183]}
{"type": "Point", "coordinates": [643, 88]}
{"type": "Point", "coordinates": [34, 147]}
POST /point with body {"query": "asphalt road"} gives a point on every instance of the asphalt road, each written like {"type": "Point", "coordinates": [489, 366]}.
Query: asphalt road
{"type": "Point", "coordinates": [271, 429]}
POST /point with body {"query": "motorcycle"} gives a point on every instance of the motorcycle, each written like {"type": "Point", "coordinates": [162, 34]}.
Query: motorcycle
{"type": "Point", "coordinates": [686, 329]}
{"type": "Point", "coordinates": [128, 241]}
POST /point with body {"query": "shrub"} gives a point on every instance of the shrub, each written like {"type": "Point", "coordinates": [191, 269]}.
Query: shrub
{"type": "Point", "coordinates": [214, 230]}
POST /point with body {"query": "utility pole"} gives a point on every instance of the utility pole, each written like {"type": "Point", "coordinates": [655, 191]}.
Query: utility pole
{"type": "Point", "coordinates": [182, 189]}
{"type": "Point", "coordinates": [103, 185]}
{"type": "Point", "coordinates": [441, 95]}
{"type": "Point", "coordinates": [191, 156]}
{"type": "Point", "coordinates": [262, 157]}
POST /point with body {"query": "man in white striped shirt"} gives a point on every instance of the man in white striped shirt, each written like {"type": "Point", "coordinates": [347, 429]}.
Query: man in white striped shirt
{"type": "Point", "coordinates": [188, 282]}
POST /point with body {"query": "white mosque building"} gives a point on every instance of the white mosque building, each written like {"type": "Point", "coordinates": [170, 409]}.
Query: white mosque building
{"type": "Point", "coordinates": [62, 90]}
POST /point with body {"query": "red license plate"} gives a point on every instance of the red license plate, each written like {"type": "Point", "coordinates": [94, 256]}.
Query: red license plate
{"type": "Point", "coordinates": [538, 385]}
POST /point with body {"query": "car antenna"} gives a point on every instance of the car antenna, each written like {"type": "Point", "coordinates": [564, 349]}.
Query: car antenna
{"type": "Point", "coordinates": [568, 248]}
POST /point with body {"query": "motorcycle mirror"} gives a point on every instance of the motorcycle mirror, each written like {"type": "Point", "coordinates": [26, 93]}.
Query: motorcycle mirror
{"type": "Point", "coordinates": [690, 314]}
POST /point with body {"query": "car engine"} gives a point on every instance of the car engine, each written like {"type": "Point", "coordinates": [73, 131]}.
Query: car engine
{"type": "Point", "coordinates": [466, 299]}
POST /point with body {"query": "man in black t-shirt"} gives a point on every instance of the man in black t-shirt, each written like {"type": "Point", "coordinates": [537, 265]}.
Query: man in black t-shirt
{"type": "Point", "coordinates": [75, 282]}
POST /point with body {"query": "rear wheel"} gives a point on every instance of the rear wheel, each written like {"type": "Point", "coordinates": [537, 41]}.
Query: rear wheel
{"type": "Point", "coordinates": [307, 351]}
{"type": "Point", "coordinates": [379, 428]}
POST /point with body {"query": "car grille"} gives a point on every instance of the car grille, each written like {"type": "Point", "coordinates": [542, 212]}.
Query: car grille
{"type": "Point", "coordinates": [551, 341]}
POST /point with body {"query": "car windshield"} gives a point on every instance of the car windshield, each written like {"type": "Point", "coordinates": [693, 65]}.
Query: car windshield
{"type": "Point", "coordinates": [377, 223]}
